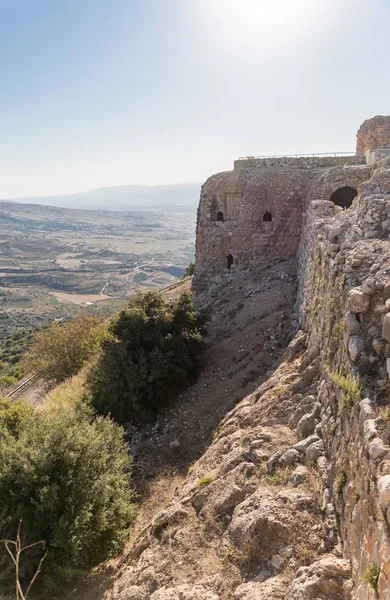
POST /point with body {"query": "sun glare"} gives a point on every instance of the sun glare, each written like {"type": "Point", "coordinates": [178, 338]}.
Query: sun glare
{"type": "Point", "coordinates": [248, 21]}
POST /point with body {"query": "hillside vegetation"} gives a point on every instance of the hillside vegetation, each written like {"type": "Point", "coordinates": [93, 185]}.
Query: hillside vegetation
{"type": "Point", "coordinates": [64, 469]}
{"type": "Point", "coordinates": [151, 354]}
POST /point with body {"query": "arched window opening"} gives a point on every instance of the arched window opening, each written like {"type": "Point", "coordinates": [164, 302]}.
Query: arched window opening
{"type": "Point", "coordinates": [220, 216]}
{"type": "Point", "coordinates": [267, 217]}
{"type": "Point", "coordinates": [343, 196]}
{"type": "Point", "coordinates": [229, 261]}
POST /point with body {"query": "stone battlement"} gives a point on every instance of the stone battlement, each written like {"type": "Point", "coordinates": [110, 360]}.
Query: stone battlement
{"type": "Point", "coordinates": [298, 162]}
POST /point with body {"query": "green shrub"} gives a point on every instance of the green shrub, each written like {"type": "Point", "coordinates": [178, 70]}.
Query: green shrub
{"type": "Point", "coordinates": [7, 380]}
{"type": "Point", "coordinates": [13, 416]}
{"type": "Point", "coordinates": [67, 477]}
{"type": "Point", "coordinates": [190, 269]}
{"type": "Point", "coordinates": [151, 355]}
{"type": "Point", "coordinates": [349, 385]}
{"type": "Point", "coordinates": [371, 576]}
{"type": "Point", "coordinates": [204, 481]}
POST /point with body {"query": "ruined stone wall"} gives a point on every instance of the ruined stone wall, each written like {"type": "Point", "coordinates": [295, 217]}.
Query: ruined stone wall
{"type": "Point", "coordinates": [373, 133]}
{"type": "Point", "coordinates": [262, 219]}
{"type": "Point", "coordinates": [344, 305]}
{"type": "Point", "coordinates": [244, 197]}
{"type": "Point", "coordinates": [298, 162]}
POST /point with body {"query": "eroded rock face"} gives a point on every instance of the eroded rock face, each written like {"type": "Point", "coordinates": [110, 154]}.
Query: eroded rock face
{"type": "Point", "coordinates": [326, 579]}
{"type": "Point", "coordinates": [260, 525]}
{"type": "Point", "coordinates": [298, 474]}
{"type": "Point", "coordinates": [184, 592]}
{"type": "Point", "coordinates": [273, 588]}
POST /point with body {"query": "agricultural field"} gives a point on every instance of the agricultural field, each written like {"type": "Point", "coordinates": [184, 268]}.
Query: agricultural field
{"type": "Point", "coordinates": [57, 262]}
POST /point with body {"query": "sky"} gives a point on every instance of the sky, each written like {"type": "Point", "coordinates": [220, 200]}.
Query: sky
{"type": "Point", "coordinates": [111, 92]}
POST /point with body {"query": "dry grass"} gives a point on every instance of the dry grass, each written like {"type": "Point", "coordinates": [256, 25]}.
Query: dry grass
{"type": "Point", "coordinates": [68, 393]}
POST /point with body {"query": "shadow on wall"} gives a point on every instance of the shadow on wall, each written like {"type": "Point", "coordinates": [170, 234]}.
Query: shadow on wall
{"type": "Point", "coordinates": [344, 196]}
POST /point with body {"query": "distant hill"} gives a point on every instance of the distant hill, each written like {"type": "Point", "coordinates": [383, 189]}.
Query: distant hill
{"type": "Point", "coordinates": [181, 197]}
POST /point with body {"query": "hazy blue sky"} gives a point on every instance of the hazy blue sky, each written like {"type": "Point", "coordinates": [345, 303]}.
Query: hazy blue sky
{"type": "Point", "coordinates": [110, 92]}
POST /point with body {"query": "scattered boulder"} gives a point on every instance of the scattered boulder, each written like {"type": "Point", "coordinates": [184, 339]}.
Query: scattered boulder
{"type": "Point", "coordinates": [289, 458]}
{"type": "Point", "coordinates": [384, 491]}
{"type": "Point", "coordinates": [355, 347]}
{"type": "Point", "coordinates": [358, 302]}
{"type": "Point", "coordinates": [273, 588]}
{"type": "Point", "coordinates": [307, 424]}
{"type": "Point", "coordinates": [352, 325]}
{"type": "Point", "coordinates": [260, 525]}
{"type": "Point", "coordinates": [299, 475]}
{"type": "Point", "coordinates": [314, 451]}
{"type": "Point", "coordinates": [322, 580]}
{"type": "Point", "coordinates": [386, 327]}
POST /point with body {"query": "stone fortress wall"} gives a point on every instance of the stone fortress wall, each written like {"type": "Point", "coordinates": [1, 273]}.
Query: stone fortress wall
{"type": "Point", "coordinates": [373, 133]}
{"type": "Point", "coordinates": [255, 213]}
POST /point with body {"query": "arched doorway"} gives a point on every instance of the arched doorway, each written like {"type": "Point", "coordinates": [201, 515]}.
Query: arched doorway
{"type": "Point", "coordinates": [267, 217]}
{"type": "Point", "coordinates": [343, 196]}
{"type": "Point", "coordinates": [229, 261]}
{"type": "Point", "coordinates": [220, 216]}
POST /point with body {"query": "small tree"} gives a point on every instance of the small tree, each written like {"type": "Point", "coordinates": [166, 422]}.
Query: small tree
{"type": "Point", "coordinates": [67, 476]}
{"type": "Point", "coordinates": [189, 270]}
{"type": "Point", "coordinates": [151, 355]}
{"type": "Point", "coordinates": [61, 350]}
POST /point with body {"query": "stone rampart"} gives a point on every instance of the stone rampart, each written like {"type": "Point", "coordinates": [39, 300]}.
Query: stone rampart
{"type": "Point", "coordinates": [373, 133]}
{"type": "Point", "coordinates": [344, 305]}
{"type": "Point", "coordinates": [298, 162]}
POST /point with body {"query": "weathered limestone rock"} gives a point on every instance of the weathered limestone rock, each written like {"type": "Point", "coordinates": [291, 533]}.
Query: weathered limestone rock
{"type": "Point", "coordinates": [273, 588]}
{"type": "Point", "coordinates": [184, 592]}
{"type": "Point", "coordinates": [322, 580]}
{"type": "Point", "coordinates": [379, 346]}
{"type": "Point", "coordinates": [303, 444]}
{"type": "Point", "coordinates": [226, 498]}
{"type": "Point", "coordinates": [299, 475]}
{"type": "Point", "coordinates": [355, 347]}
{"type": "Point", "coordinates": [384, 491]}
{"type": "Point", "coordinates": [386, 327]}
{"type": "Point", "coordinates": [352, 325]}
{"type": "Point", "coordinates": [260, 525]}
{"type": "Point", "coordinates": [358, 302]}
{"type": "Point", "coordinates": [132, 592]}
{"type": "Point", "coordinates": [307, 424]}
{"type": "Point", "coordinates": [289, 458]}
{"type": "Point", "coordinates": [314, 451]}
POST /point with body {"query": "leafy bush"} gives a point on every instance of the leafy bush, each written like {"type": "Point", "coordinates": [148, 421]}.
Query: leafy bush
{"type": "Point", "coordinates": [60, 351]}
{"type": "Point", "coordinates": [6, 381]}
{"type": "Point", "coordinates": [67, 477]}
{"type": "Point", "coordinates": [151, 355]}
{"type": "Point", "coordinates": [371, 576]}
{"type": "Point", "coordinates": [189, 270]}
{"type": "Point", "coordinates": [13, 416]}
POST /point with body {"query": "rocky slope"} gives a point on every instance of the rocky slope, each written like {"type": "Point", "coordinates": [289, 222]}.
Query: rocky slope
{"type": "Point", "coordinates": [290, 499]}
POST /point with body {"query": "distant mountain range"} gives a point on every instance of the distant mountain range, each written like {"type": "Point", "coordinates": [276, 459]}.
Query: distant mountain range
{"type": "Point", "coordinates": [181, 197]}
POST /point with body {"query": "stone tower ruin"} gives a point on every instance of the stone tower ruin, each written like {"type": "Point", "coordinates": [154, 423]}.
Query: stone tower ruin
{"type": "Point", "coordinates": [255, 213]}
